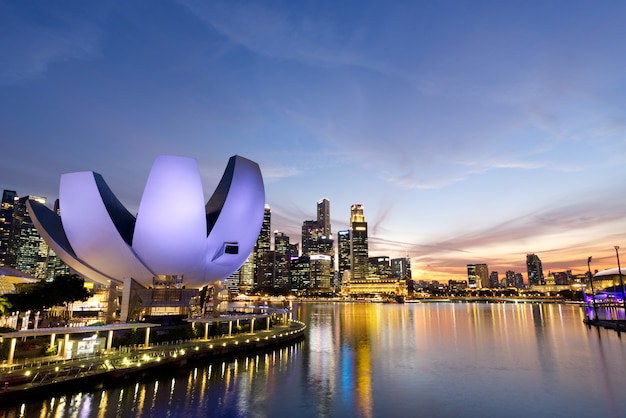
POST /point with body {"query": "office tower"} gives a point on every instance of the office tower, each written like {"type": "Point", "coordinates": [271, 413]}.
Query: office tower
{"type": "Point", "coordinates": [535, 271]}
{"type": "Point", "coordinates": [7, 257]}
{"type": "Point", "coordinates": [343, 252]}
{"type": "Point", "coordinates": [311, 233]}
{"type": "Point", "coordinates": [54, 265]}
{"type": "Point", "coordinates": [401, 268]}
{"type": "Point", "coordinates": [282, 258]}
{"type": "Point", "coordinates": [266, 270]}
{"type": "Point", "coordinates": [29, 248]}
{"type": "Point", "coordinates": [494, 280]}
{"type": "Point", "coordinates": [359, 263]}
{"type": "Point", "coordinates": [380, 266]}
{"type": "Point", "coordinates": [323, 216]}
{"type": "Point", "coordinates": [262, 247]}
{"type": "Point", "coordinates": [321, 272]}
{"type": "Point", "coordinates": [477, 276]}
{"type": "Point", "coordinates": [301, 273]}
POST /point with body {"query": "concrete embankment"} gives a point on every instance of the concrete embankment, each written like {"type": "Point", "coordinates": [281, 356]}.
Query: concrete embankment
{"type": "Point", "coordinates": [19, 384]}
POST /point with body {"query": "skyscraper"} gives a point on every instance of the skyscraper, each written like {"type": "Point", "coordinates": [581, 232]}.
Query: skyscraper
{"type": "Point", "coordinates": [401, 268]}
{"type": "Point", "coordinates": [359, 262]}
{"type": "Point", "coordinates": [31, 251]}
{"type": "Point", "coordinates": [263, 262]}
{"type": "Point", "coordinates": [323, 216]}
{"type": "Point", "coordinates": [477, 276]}
{"type": "Point", "coordinates": [282, 258]}
{"type": "Point", "coordinates": [535, 270]}
{"type": "Point", "coordinates": [343, 253]}
{"type": "Point", "coordinates": [7, 257]}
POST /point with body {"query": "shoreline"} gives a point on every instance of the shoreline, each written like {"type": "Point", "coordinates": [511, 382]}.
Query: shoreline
{"type": "Point", "coordinates": [60, 376]}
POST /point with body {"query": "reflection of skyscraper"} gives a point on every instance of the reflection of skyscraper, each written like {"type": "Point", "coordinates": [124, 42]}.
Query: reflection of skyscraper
{"type": "Point", "coordinates": [359, 263]}
{"type": "Point", "coordinates": [535, 270]}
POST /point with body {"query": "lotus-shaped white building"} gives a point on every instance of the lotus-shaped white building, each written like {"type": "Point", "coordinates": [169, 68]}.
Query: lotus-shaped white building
{"type": "Point", "coordinates": [174, 234]}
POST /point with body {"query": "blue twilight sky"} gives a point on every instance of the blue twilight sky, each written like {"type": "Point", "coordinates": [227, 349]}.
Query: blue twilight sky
{"type": "Point", "coordinates": [471, 131]}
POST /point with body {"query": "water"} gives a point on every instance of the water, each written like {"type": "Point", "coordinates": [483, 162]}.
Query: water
{"type": "Point", "coordinates": [382, 360]}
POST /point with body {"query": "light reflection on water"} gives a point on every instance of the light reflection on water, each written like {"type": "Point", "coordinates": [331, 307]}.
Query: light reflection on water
{"type": "Point", "coordinates": [378, 360]}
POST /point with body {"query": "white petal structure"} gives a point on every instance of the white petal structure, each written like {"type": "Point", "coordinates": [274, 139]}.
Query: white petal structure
{"type": "Point", "coordinates": [174, 233]}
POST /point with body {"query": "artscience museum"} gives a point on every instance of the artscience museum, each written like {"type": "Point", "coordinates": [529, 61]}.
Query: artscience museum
{"type": "Point", "coordinates": [175, 237]}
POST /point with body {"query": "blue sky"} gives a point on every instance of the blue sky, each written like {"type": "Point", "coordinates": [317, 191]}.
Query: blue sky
{"type": "Point", "coordinates": [472, 132]}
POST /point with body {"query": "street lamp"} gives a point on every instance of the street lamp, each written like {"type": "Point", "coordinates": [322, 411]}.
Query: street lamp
{"type": "Point", "coordinates": [593, 293]}
{"type": "Point", "coordinates": [621, 282]}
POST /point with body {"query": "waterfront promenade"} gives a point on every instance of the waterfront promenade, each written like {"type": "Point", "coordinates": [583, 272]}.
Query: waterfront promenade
{"type": "Point", "coordinates": [41, 375]}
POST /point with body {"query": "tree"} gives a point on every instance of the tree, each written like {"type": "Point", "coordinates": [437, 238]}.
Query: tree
{"type": "Point", "coordinates": [5, 305]}
{"type": "Point", "coordinates": [62, 291]}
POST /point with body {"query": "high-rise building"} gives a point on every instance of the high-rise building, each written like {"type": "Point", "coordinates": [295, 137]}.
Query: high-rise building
{"type": "Point", "coordinates": [380, 266]}
{"type": "Point", "coordinates": [311, 233]}
{"type": "Point", "coordinates": [477, 276]}
{"type": "Point", "coordinates": [359, 263]}
{"type": "Point", "coordinates": [323, 216]}
{"type": "Point", "coordinates": [301, 273]}
{"type": "Point", "coordinates": [31, 251]}
{"type": "Point", "coordinates": [514, 279]}
{"type": "Point", "coordinates": [7, 206]}
{"type": "Point", "coordinates": [401, 268]}
{"type": "Point", "coordinates": [262, 247]}
{"type": "Point", "coordinates": [343, 254]}
{"type": "Point", "coordinates": [321, 272]}
{"type": "Point", "coordinates": [282, 258]}
{"type": "Point", "coordinates": [494, 280]}
{"type": "Point", "coordinates": [535, 270]}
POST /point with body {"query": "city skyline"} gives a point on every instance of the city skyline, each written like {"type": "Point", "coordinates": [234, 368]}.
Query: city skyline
{"type": "Point", "coordinates": [470, 135]}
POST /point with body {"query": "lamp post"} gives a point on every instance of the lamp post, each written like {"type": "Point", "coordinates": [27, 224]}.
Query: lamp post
{"type": "Point", "coordinates": [593, 293]}
{"type": "Point", "coordinates": [621, 282]}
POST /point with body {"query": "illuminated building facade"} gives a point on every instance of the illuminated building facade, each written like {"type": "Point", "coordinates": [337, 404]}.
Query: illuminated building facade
{"type": "Point", "coordinates": [371, 287]}
{"type": "Point", "coordinates": [359, 260]}
{"type": "Point", "coordinates": [264, 263]}
{"type": "Point", "coordinates": [535, 270]}
{"type": "Point", "coordinates": [31, 251]}
{"type": "Point", "coordinates": [198, 245]}
{"type": "Point", "coordinates": [477, 276]}
{"type": "Point", "coordinates": [282, 252]}
{"type": "Point", "coordinates": [380, 266]}
{"type": "Point", "coordinates": [7, 206]}
{"type": "Point", "coordinates": [343, 252]}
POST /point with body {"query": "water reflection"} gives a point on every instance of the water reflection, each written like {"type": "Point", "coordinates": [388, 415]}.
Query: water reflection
{"type": "Point", "coordinates": [376, 360]}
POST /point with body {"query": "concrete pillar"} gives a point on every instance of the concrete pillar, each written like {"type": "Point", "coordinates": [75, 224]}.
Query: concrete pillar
{"type": "Point", "coordinates": [109, 340]}
{"type": "Point", "coordinates": [147, 342]}
{"type": "Point", "coordinates": [267, 320]}
{"type": "Point", "coordinates": [53, 337]}
{"type": "Point", "coordinates": [230, 328]}
{"type": "Point", "coordinates": [66, 341]}
{"type": "Point", "coordinates": [206, 330]}
{"type": "Point", "coordinates": [12, 351]}
{"type": "Point", "coordinates": [252, 325]}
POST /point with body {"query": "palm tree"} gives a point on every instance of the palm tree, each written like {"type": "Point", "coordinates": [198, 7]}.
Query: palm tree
{"type": "Point", "coordinates": [5, 305]}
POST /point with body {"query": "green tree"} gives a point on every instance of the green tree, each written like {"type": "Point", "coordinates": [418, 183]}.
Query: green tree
{"type": "Point", "coordinates": [5, 305]}
{"type": "Point", "coordinates": [62, 291]}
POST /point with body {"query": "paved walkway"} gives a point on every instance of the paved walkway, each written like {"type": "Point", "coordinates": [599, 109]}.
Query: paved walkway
{"type": "Point", "coordinates": [44, 371]}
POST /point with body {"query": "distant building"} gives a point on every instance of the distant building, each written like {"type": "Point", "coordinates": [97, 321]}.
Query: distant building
{"type": "Point", "coordinates": [513, 279]}
{"type": "Point", "coordinates": [323, 216]}
{"type": "Point", "coordinates": [301, 273]}
{"type": "Point", "coordinates": [31, 251]}
{"type": "Point", "coordinates": [380, 266]}
{"type": "Point", "coordinates": [535, 270]}
{"type": "Point", "coordinates": [263, 262]}
{"type": "Point", "coordinates": [401, 268]}
{"type": "Point", "coordinates": [359, 263]}
{"type": "Point", "coordinates": [282, 254]}
{"type": "Point", "coordinates": [7, 253]}
{"type": "Point", "coordinates": [343, 252]}
{"type": "Point", "coordinates": [457, 284]}
{"type": "Point", "coordinates": [494, 280]}
{"type": "Point", "coordinates": [477, 276]}
{"type": "Point", "coordinates": [371, 287]}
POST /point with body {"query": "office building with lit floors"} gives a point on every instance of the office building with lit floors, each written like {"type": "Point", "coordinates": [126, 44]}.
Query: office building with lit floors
{"type": "Point", "coordinates": [359, 260]}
